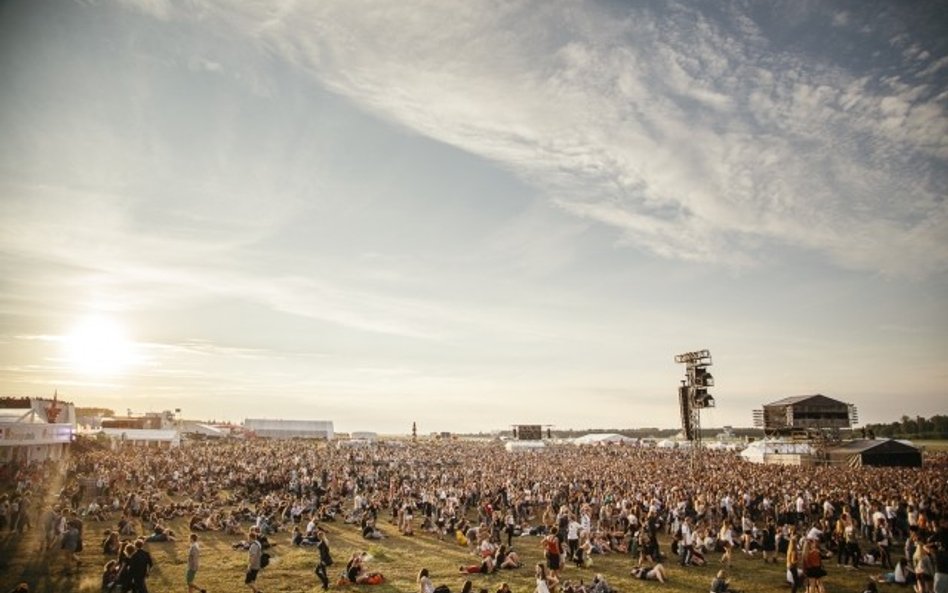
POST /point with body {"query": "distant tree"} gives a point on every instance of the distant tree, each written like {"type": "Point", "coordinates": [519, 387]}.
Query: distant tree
{"type": "Point", "coordinates": [940, 424]}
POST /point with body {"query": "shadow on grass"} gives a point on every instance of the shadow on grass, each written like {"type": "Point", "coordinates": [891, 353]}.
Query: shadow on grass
{"type": "Point", "coordinates": [21, 560]}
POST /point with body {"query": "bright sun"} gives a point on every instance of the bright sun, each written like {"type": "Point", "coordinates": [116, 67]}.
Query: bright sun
{"type": "Point", "coordinates": [98, 346]}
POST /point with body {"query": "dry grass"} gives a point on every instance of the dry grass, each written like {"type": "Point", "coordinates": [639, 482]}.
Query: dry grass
{"type": "Point", "coordinates": [398, 557]}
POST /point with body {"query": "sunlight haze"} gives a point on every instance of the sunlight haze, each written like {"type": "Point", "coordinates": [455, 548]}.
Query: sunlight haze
{"type": "Point", "coordinates": [473, 214]}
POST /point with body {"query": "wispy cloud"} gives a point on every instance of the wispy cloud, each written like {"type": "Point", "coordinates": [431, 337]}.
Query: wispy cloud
{"type": "Point", "coordinates": [660, 122]}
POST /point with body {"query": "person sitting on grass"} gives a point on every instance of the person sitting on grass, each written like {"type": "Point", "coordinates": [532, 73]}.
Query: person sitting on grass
{"type": "Point", "coordinates": [599, 585]}
{"type": "Point", "coordinates": [110, 543]}
{"type": "Point", "coordinates": [161, 534]}
{"type": "Point", "coordinates": [656, 573]}
{"type": "Point", "coordinates": [111, 577]}
{"type": "Point", "coordinates": [356, 573]}
{"type": "Point", "coordinates": [369, 530]}
{"type": "Point", "coordinates": [485, 567]}
{"type": "Point", "coordinates": [504, 557]}
{"type": "Point", "coordinates": [545, 581]}
{"type": "Point", "coordinates": [721, 584]}
{"type": "Point", "coordinates": [426, 586]}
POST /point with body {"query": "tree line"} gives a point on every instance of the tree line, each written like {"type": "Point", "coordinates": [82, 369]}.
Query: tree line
{"type": "Point", "coordinates": [918, 427]}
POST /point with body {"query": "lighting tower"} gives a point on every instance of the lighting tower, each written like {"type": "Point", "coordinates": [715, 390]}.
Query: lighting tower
{"type": "Point", "coordinates": [693, 393]}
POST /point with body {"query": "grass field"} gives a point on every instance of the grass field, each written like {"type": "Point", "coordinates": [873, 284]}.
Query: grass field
{"type": "Point", "coordinates": [398, 557]}
{"type": "Point", "coordinates": [938, 445]}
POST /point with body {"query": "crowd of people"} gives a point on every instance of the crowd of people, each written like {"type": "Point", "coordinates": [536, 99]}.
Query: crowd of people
{"type": "Point", "coordinates": [578, 502]}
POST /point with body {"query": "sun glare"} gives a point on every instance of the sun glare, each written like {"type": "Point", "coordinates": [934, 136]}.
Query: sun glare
{"type": "Point", "coordinates": [98, 346]}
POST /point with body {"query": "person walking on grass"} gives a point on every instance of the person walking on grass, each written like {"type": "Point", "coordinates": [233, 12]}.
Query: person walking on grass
{"type": "Point", "coordinates": [254, 554]}
{"type": "Point", "coordinates": [139, 566]}
{"type": "Point", "coordinates": [325, 557]}
{"type": "Point", "coordinates": [194, 563]}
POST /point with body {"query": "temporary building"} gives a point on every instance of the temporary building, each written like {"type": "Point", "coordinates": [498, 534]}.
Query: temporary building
{"type": "Point", "coordinates": [521, 446]}
{"type": "Point", "coordinates": [164, 438]}
{"type": "Point", "coordinates": [35, 429]}
{"type": "Point", "coordinates": [603, 438]}
{"type": "Point", "coordinates": [290, 429]}
{"type": "Point", "coordinates": [780, 452]}
{"type": "Point", "coordinates": [206, 431]}
{"type": "Point", "coordinates": [876, 452]}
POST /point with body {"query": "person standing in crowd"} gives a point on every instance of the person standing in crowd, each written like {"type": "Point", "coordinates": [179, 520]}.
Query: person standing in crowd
{"type": "Point", "coordinates": [139, 566]}
{"type": "Point", "coordinates": [883, 539]}
{"type": "Point", "coordinates": [687, 541]}
{"type": "Point", "coordinates": [572, 537]}
{"type": "Point", "coordinates": [194, 563]}
{"type": "Point", "coordinates": [325, 557]}
{"type": "Point", "coordinates": [510, 525]}
{"type": "Point", "coordinates": [552, 551]}
{"type": "Point", "coordinates": [70, 547]}
{"type": "Point", "coordinates": [726, 537]}
{"type": "Point", "coordinates": [254, 554]}
{"type": "Point", "coordinates": [813, 567]}
{"type": "Point", "coordinates": [793, 561]}
{"type": "Point", "coordinates": [50, 523]}
{"type": "Point", "coordinates": [941, 566]}
{"type": "Point", "coordinates": [924, 568]}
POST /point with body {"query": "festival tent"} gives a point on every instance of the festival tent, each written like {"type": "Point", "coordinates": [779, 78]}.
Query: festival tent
{"type": "Point", "coordinates": [603, 438]}
{"type": "Point", "coordinates": [521, 446]}
{"type": "Point", "coordinates": [27, 435]}
{"type": "Point", "coordinates": [877, 452]}
{"type": "Point", "coordinates": [204, 431]}
{"type": "Point", "coordinates": [273, 428]}
{"type": "Point", "coordinates": [666, 444]}
{"type": "Point", "coordinates": [143, 437]}
{"type": "Point", "coordinates": [758, 451]}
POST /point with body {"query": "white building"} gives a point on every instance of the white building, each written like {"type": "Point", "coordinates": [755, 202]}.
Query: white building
{"type": "Point", "coordinates": [290, 429]}
{"type": "Point", "coordinates": [162, 438]}
{"type": "Point", "coordinates": [35, 429]}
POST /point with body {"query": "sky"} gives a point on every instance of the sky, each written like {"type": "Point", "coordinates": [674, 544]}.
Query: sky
{"type": "Point", "coordinates": [472, 214]}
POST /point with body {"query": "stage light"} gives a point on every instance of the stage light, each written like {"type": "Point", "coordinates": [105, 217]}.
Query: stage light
{"type": "Point", "coordinates": [693, 393]}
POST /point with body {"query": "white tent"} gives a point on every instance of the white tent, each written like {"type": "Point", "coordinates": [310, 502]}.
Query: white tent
{"type": "Point", "coordinates": [520, 446]}
{"type": "Point", "coordinates": [143, 437]}
{"type": "Point", "coordinates": [603, 438]}
{"type": "Point", "coordinates": [205, 430]}
{"type": "Point", "coordinates": [758, 451]}
{"type": "Point", "coordinates": [666, 444]}
{"type": "Point", "coordinates": [290, 429]}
